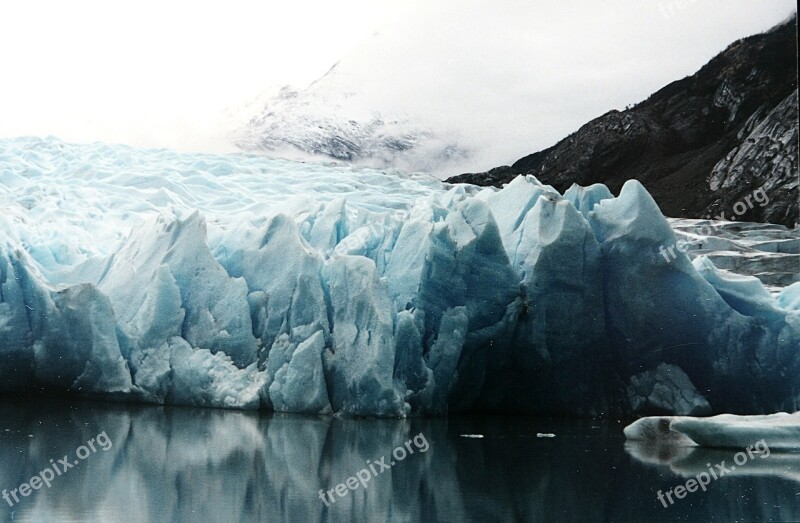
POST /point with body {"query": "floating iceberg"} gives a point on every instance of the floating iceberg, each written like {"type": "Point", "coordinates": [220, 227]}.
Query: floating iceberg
{"type": "Point", "coordinates": [780, 430]}
{"type": "Point", "coordinates": [247, 282]}
{"type": "Point", "coordinates": [689, 445]}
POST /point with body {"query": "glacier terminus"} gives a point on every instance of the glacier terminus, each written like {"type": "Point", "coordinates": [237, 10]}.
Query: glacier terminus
{"type": "Point", "coordinates": [240, 281]}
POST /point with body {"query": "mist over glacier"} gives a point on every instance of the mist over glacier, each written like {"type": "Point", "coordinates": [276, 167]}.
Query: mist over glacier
{"type": "Point", "coordinates": [497, 80]}
{"type": "Point", "coordinates": [246, 282]}
{"type": "Point", "coordinates": [461, 87]}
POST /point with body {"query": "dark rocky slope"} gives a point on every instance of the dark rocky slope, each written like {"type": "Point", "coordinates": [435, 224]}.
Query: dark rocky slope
{"type": "Point", "coordinates": [700, 145]}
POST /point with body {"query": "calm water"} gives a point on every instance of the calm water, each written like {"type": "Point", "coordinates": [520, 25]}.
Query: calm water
{"type": "Point", "coordinates": [178, 464]}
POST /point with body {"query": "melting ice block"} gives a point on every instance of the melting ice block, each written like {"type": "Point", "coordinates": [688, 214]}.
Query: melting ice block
{"type": "Point", "coordinates": [777, 431]}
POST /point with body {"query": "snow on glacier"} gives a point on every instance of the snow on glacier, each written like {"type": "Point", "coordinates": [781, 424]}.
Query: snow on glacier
{"type": "Point", "coordinates": [248, 282]}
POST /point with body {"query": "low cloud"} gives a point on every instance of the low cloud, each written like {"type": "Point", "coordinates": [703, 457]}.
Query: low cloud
{"type": "Point", "coordinates": [503, 78]}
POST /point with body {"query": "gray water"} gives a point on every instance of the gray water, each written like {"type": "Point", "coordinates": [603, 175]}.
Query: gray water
{"type": "Point", "coordinates": [182, 464]}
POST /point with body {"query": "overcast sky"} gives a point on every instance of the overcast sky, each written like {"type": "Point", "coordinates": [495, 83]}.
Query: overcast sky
{"type": "Point", "coordinates": [161, 73]}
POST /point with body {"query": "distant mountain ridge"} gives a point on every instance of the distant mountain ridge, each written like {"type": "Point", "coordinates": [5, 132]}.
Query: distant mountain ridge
{"type": "Point", "coordinates": [699, 145]}
{"type": "Point", "coordinates": [329, 118]}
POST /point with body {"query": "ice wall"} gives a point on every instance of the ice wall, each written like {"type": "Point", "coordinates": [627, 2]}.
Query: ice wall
{"type": "Point", "coordinates": [245, 282]}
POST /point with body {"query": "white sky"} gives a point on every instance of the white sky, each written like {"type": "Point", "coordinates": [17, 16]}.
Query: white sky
{"type": "Point", "coordinates": [162, 73]}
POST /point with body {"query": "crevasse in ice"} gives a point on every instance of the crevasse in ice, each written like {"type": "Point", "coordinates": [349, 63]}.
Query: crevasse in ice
{"type": "Point", "coordinates": [246, 282]}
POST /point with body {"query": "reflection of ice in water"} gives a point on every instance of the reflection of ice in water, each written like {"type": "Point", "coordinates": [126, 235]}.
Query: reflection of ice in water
{"type": "Point", "coordinates": [690, 445]}
{"type": "Point", "coordinates": [182, 464]}
{"type": "Point", "coordinates": [691, 461]}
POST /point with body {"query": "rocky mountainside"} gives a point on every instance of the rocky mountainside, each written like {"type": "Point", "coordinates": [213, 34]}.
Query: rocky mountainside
{"type": "Point", "coordinates": [700, 145]}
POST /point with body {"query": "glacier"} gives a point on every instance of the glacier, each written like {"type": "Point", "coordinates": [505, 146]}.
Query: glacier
{"type": "Point", "coordinates": [241, 281]}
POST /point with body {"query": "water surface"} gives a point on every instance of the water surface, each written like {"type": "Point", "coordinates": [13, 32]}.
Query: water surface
{"type": "Point", "coordinates": [182, 464]}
